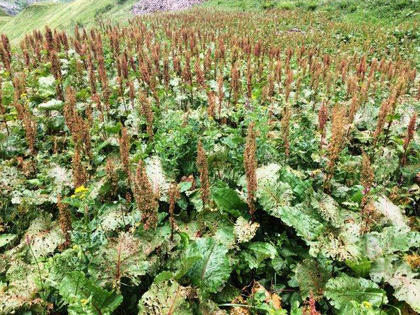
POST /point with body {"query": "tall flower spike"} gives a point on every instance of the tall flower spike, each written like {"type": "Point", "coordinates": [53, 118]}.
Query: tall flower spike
{"type": "Point", "coordinates": [367, 176]}
{"type": "Point", "coordinates": [339, 121]}
{"type": "Point", "coordinates": [65, 222]}
{"type": "Point", "coordinates": [383, 112]}
{"type": "Point", "coordinates": [125, 152]}
{"type": "Point", "coordinates": [146, 108]}
{"type": "Point", "coordinates": [79, 171]}
{"type": "Point", "coordinates": [250, 163]}
{"type": "Point", "coordinates": [204, 173]}
{"type": "Point", "coordinates": [410, 135]}
{"type": "Point", "coordinates": [145, 197]}
{"type": "Point", "coordinates": [174, 196]}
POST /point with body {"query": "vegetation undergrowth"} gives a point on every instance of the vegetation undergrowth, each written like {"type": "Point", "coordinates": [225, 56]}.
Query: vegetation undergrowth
{"type": "Point", "coordinates": [211, 163]}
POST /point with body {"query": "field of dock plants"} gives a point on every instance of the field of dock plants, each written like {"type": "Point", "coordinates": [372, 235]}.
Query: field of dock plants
{"type": "Point", "coordinates": [205, 162]}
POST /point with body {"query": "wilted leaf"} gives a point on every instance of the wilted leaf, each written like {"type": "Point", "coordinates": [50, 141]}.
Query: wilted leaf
{"type": "Point", "coordinates": [244, 231]}
{"type": "Point", "coordinates": [165, 298]}
{"type": "Point", "coordinates": [311, 278]}
{"type": "Point", "coordinates": [6, 239]}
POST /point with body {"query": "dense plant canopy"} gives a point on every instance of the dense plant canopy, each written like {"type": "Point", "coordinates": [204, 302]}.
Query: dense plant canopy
{"type": "Point", "coordinates": [211, 163]}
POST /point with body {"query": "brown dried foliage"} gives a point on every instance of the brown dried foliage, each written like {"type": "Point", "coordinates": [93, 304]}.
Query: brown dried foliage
{"type": "Point", "coordinates": [146, 199]}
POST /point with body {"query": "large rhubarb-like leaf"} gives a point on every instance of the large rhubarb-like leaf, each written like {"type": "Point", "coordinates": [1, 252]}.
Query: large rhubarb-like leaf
{"type": "Point", "coordinates": [213, 269]}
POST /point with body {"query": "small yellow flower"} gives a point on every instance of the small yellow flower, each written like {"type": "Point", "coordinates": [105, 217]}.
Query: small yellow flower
{"type": "Point", "coordinates": [84, 301]}
{"type": "Point", "coordinates": [75, 247]}
{"type": "Point", "coordinates": [81, 189]}
{"type": "Point", "coordinates": [80, 192]}
{"type": "Point", "coordinates": [366, 304]}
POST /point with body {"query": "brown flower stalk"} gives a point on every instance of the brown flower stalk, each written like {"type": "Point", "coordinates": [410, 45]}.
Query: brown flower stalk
{"type": "Point", "coordinates": [3, 108]}
{"type": "Point", "coordinates": [79, 128]}
{"type": "Point", "coordinates": [112, 176]}
{"type": "Point", "coordinates": [145, 197]}
{"type": "Point", "coordinates": [147, 111]}
{"type": "Point", "coordinates": [174, 196]}
{"type": "Point", "coordinates": [221, 93]}
{"type": "Point", "coordinates": [204, 173]}
{"type": "Point", "coordinates": [250, 163]}
{"type": "Point", "coordinates": [409, 136]}
{"type": "Point", "coordinates": [339, 121]}
{"type": "Point", "coordinates": [367, 176]}
{"type": "Point", "coordinates": [235, 84]}
{"type": "Point", "coordinates": [383, 112]}
{"type": "Point", "coordinates": [65, 222]}
{"type": "Point", "coordinates": [125, 152]}
{"type": "Point", "coordinates": [79, 171]}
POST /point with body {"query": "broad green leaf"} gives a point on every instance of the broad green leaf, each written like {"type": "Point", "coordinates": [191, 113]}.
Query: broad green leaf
{"type": "Point", "coordinates": [344, 289]}
{"type": "Point", "coordinates": [213, 269]}
{"type": "Point", "coordinates": [305, 225]}
{"type": "Point", "coordinates": [186, 265]}
{"type": "Point", "coordinates": [390, 240]}
{"type": "Point", "coordinates": [165, 298]}
{"type": "Point", "coordinates": [401, 278]}
{"type": "Point", "coordinates": [312, 278]}
{"type": "Point", "coordinates": [163, 276]}
{"type": "Point", "coordinates": [227, 199]}
{"type": "Point", "coordinates": [364, 308]}
{"type": "Point", "coordinates": [44, 236]}
{"type": "Point", "coordinates": [84, 297]}
{"type": "Point", "coordinates": [406, 287]}
{"type": "Point", "coordinates": [256, 252]}
{"type": "Point", "coordinates": [23, 284]}
{"type": "Point", "coordinates": [46, 86]}
{"type": "Point", "coordinates": [124, 256]}
{"type": "Point", "coordinates": [51, 105]}
{"type": "Point", "coordinates": [185, 186]}
{"type": "Point", "coordinates": [360, 267]}
{"type": "Point", "coordinates": [391, 212]}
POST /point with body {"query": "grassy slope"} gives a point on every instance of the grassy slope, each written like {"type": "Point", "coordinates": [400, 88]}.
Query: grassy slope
{"type": "Point", "coordinates": [384, 11]}
{"type": "Point", "coordinates": [65, 15]}
{"type": "Point", "coordinates": [83, 12]}
{"type": "Point", "coordinates": [4, 17]}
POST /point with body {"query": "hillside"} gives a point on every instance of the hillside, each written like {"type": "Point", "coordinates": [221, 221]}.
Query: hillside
{"type": "Point", "coordinates": [13, 7]}
{"type": "Point", "coordinates": [65, 16]}
{"type": "Point", "coordinates": [4, 17]}
{"type": "Point", "coordinates": [209, 163]}
{"type": "Point", "coordinates": [263, 159]}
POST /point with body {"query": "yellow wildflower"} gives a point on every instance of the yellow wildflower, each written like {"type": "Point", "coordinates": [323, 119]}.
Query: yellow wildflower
{"type": "Point", "coordinates": [81, 189]}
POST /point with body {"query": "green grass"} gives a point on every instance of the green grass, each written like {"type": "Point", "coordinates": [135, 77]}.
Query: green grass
{"type": "Point", "coordinates": [4, 17]}
{"type": "Point", "coordinates": [85, 12]}
{"type": "Point", "coordinates": [65, 16]}
{"type": "Point", "coordinates": [385, 11]}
